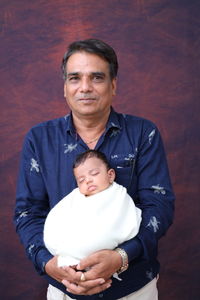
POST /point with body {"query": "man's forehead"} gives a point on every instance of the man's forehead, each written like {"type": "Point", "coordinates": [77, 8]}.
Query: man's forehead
{"type": "Point", "coordinates": [79, 60]}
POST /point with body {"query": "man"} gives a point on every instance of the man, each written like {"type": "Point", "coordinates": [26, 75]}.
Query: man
{"type": "Point", "coordinates": [133, 147]}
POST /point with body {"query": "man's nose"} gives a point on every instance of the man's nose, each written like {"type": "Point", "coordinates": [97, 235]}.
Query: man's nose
{"type": "Point", "coordinates": [85, 85]}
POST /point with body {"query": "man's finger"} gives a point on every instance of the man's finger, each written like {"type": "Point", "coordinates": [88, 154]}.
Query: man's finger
{"type": "Point", "coordinates": [88, 287]}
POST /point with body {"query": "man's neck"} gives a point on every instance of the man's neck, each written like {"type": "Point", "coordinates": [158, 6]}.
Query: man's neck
{"type": "Point", "coordinates": [90, 124]}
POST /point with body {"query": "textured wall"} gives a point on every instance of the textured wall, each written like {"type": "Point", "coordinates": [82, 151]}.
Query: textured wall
{"type": "Point", "coordinates": [157, 43]}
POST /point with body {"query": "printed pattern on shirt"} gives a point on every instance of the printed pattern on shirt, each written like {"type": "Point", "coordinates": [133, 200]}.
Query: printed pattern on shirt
{"type": "Point", "coordinates": [153, 223]}
{"type": "Point", "coordinates": [30, 249]}
{"type": "Point", "coordinates": [149, 274]}
{"type": "Point", "coordinates": [151, 136]}
{"type": "Point", "coordinates": [114, 132]}
{"type": "Point", "coordinates": [34, 166]}
{"type": "Point", "coordinates": [158, 189]}
{"type": "Point", "coordinates": [69, 148]}
{"type": "Point", "coordinates": [23, 214]}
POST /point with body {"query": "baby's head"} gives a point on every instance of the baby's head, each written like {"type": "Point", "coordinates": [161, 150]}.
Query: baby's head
{"type": "Point", "coordinates": [92, 172]}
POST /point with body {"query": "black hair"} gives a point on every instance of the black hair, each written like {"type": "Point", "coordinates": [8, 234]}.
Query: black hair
{"type": "Point", "coordinates": [81, 158]}
{"type": "Point", "coordinates": [93, 46]}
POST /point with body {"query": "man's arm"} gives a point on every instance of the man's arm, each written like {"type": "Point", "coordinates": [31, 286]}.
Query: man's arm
{"type": "Point", "coordinates": [32, 207]}
{"type": "Point", "coordinates": [154, 196]}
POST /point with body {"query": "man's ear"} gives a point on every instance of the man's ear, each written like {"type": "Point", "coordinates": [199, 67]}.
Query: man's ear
{"type": "Point", "coordinates": [114, 86]}
{"type": "Point", "coordinates": [65, 90]}
{"type": "Point", "coordinates": [111, 175]}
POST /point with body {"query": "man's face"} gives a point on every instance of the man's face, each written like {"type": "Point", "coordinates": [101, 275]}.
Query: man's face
{"type": "Point", "coordinates": [88, 87]}
{"type": "Point", "coordinates": [93, 177]}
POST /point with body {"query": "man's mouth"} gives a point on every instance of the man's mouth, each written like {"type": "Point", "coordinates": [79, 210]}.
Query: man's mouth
{"type": "Point", "coordinates": [87, 99]}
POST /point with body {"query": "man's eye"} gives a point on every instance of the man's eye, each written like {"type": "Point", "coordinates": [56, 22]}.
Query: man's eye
{"type": "Point", "coordinates": [98, 78]}
{"type": "Point", "coordinates": [73, 79]}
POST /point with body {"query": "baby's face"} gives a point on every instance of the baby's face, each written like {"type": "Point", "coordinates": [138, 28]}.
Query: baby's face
{"type": "Point", "coordinates": [93, 177]}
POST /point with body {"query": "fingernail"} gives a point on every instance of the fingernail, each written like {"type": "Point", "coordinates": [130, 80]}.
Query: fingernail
{"type": "Point", "coordinates": [102, 281]}
{"type": "Point", "coordinates": [108, 285]}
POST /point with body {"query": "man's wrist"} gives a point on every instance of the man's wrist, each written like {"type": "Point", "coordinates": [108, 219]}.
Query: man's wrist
{"type": "Point", "coordinates": [124, 258]}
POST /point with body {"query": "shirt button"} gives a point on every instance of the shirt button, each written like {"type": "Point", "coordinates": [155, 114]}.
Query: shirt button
{"type": "Point", "coordinates": [101, 295]}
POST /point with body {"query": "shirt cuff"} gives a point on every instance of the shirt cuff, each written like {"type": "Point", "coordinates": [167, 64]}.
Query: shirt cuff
{"type": "Point", "coordinates": [42, 257]}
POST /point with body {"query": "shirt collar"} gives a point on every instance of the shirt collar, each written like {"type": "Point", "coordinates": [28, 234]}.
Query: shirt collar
{"type": "Point", "coordinates": [69, 126]}
{"type": "Point", "coordinates": [113, 122]}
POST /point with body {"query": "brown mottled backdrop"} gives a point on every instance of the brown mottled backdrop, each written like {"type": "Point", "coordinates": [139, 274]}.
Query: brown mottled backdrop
{"type": "Point", "coordinates": [157, 43]}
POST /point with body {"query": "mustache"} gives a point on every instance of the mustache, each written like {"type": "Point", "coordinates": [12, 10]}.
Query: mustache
{"type": "Point", "coordinates": [87, 96]}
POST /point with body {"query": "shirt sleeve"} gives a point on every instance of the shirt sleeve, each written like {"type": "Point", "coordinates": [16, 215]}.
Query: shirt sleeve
{"type": "Point", "coordinates": [32, 205]}
{"type": "Point", "coordinates": [154, 196]}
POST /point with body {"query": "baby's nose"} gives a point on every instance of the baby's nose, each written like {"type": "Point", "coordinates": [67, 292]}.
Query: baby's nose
{"type": "Point", "coordinates": [88, 179]}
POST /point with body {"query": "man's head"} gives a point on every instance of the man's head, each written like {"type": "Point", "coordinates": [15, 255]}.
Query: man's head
{"type": "Point", "coordinates": [93, 46]}
{"type": "Point", "coordinates": [92, 172]}
{"type": "Point", "coordinates": [90, 70]}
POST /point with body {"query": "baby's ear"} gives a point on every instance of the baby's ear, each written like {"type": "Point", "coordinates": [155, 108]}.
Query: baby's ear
{"type": "Point", "coordinates": [111, 175]}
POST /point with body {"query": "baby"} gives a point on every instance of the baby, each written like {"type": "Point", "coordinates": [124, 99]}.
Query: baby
{"type": "Point", "coordinates": [97, 215]}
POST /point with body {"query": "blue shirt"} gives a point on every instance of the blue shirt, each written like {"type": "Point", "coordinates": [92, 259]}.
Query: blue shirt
{"type": "Point", "coordinates": [134, 148]}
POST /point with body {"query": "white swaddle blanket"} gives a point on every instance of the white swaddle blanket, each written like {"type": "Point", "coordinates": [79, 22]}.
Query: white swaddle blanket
{"type": "Point", "coordinates": [78, 226]}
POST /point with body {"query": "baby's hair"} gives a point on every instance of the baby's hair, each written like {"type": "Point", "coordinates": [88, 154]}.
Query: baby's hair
{"type": "Point", "coordinates": [81, 158]}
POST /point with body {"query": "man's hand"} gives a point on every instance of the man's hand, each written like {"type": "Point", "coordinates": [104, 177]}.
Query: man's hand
{"type": "Point", "coordinates": [101, 265]}
{"type": "Point", "coordinates": [59, 273]}
{"type": "Point", "coordinates": [71, 278]}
